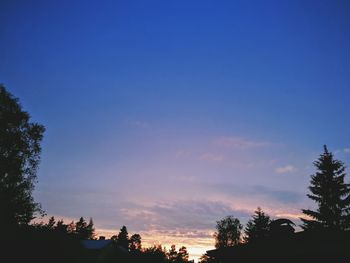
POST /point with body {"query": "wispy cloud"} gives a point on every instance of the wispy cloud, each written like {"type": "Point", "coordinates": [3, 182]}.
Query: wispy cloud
{"type": "Point", "coordinates": [239, 142]}
{"type": "Point", "coordinates": [212, 157]}
{"type": "Point", "coordinates": [186, 214]}
{"type": "Point", "coordinates": [259, 193]}
{"type": "Point", "coordinates": [285, 169]}
{"type": "Point", "coordinates": [347, 150]}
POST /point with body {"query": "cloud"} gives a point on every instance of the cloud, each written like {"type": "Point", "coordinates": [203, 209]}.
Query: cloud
{"type": "Point", "coordinates": [239, 142]}
{"type": "Point", "coordinates": [211, 157]}
{"type": "Point", "coordinates": [260, 193]}
{"type": "Point", "coordinates": [282, 196]}
{"type": "Point", "coordinates": [285, 169]}
{"type": "Point", "coordinates": [190, 215]}
{"type": "Point", "coordinates": [347, 150]}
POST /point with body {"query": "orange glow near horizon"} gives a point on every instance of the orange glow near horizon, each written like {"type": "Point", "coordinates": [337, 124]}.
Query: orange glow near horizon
{"type": "Point", "coordinates": [196, 247]}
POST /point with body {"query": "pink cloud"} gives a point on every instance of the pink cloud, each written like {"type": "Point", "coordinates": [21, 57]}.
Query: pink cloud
{"type": "Point", "coordinates": [239, 142]}
{"type": "Point", "coordinates": [285, 169]}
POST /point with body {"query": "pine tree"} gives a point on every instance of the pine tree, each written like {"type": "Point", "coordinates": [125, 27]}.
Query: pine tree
{"type": "Point", "coordinates": [84, 230]}
{"type": "Point", "coordinates": [90, 230]}
{"type": "Point", "coordinates": [258, 227]}
{"type": "Point", "coordinates": [51, 224]}
{"type": "Point", "coordinates": [61, 227]}
{"type": "Point", "coordinates": [123, 238]}
{"type": "Point", "coordinates": [80, 227]}
{"type": "Point", "coordinates": [331, 194]}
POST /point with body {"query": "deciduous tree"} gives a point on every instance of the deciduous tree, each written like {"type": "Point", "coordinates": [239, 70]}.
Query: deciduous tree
{"type": "Point", "coordinates": [19, 159]}
{"type": "Point", "coordinates": [228, 232]}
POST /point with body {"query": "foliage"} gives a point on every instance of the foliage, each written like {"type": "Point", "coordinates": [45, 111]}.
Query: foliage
{"type": "Point", "coordinates": [182, 256]}
{"type": "Point", "coordinates": [155, 254]}
{"type": "Point", "coordinates": [135, 242]}
{"type": "Point", "coordinates": [19, 159]}
{"type": "Point", "coordinates": [257, 228]}
{"type": "Point", "coordinates": [84, 230]}
{"type": "Point", "coordinates": [331, 194]}
{"type": "Point", "coordinates": [172, 254]}
{"type": "Point", "coordinates": [123, 238]}
{"type": "Point", "coordinates": [228, 232]}
{"type": "Point", "coordinates": [206, 259]}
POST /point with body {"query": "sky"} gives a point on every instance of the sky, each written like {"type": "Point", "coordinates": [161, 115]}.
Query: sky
{"type": "Point", "coordinates": [166, 116]}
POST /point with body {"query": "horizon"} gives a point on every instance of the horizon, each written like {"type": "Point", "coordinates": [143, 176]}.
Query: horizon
{"type": "Point", "coordinates": [167, 116]}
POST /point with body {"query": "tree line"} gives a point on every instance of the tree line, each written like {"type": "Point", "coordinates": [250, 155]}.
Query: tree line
{"type": "Point", "coordinates": [329, 191]}
{"type": "Point", "coordinates": [331, 195]}
{"type": "Point", "coordinates": [20, 148]}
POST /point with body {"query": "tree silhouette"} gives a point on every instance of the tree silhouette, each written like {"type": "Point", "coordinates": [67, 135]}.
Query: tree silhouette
{"type": "Point", "coordinates": [90, 230]}
{"type": "Point", "coordinates": [331, 194]}
{"type": "Point", "coordinates": [71, 228]}
{"type": "Point", "coordinates": [228, 232]}
{"type": "Point", "coordinates": [172, 254]}
{"type": "Point", "coordinates": [257, 228]}
{"type": "Point", "coordinates": [51, 224]}
{"type": "Point", "coordinates": [155, 254]}
{"type": "Point", "coordinates": [19, 159]}
{"type": "Point", "coordinates": [135, 242]}
{"type": "Point", "coordinates": [182, 255]}
{"type": "Point", "coordinates": [206, 259]}
{"type": "Point", "coordinates": [123, 238]}
{"type": "Point", "coordinates": [84, 230]}
{"type": "Point", "coordinates": [61, 227]}
{"type": "Point", "coordinates": [80, 227]}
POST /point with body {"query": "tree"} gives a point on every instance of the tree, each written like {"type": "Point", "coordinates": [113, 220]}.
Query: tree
{"type": "Point", "coordinates": [123, 238]}
{"type": "Point", "coordinates": [51, 224]}
{"type": "Point", "coordinates": [331, 194]}
{"type": "Point", "coordinates": [258, 227]}
{"type": "Point", "coordinates": [84, 230]}
{"type": "Point", "coordinates": [19, 159]}
{"type": "Point", "coordinates": [155, 254]}
{"type": "Point", "coordinates": [61, 227]}
{"type": "Point", "coordinates": [80, 227]}
{"type": "Point", "coordinates": [90, 230]}
{"type": "Point", "coordinates": [182, 255]}
{"type": "Point", "coordinates": [206, 259]}
{"type": "Point", "coordinates": [71, 228]}
{"type": "Point", "coordinates": [228, 232]}
{"type": "Point", "coordinates": [135, 242]}
{"type": "Point", "coordinates": [172, 254]}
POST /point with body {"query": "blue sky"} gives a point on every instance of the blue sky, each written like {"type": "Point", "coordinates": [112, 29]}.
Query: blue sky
{"type": "Point", "coordinates": [168, 115]}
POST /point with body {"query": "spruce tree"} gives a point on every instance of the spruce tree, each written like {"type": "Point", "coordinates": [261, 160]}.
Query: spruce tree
{"type": "Point", "coordinates": [80, 228]}
{"type": "Point", "coordinates": [258, 227]}
{"type": "Point", "coordinates": [123, 238]}
{"type": "Point", "coordinates": [90, 230]}
{"type": "Point", "coordinates": [331, 194]}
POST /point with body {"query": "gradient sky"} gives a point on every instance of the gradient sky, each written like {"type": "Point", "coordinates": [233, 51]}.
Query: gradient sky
{"type": "Point", "coordinates": [165, 116]}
